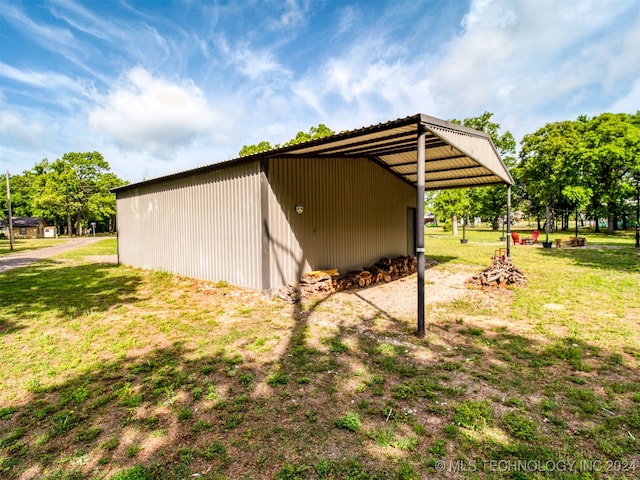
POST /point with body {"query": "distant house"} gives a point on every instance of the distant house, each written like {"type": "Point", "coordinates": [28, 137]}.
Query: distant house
{"type": "Point", "coordinates": [430, 219]}
{"type": "Point", "coordinates": [24, 227]}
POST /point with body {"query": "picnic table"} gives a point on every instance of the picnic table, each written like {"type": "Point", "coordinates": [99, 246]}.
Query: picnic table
{"type": "Point", "coordinates": [571, 242]}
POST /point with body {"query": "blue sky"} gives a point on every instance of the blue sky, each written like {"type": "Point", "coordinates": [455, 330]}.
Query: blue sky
{"type": "Point", "coordinates": [159, 87]}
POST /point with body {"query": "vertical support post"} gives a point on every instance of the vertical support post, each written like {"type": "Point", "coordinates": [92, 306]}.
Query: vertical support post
{"type": "Point", "coordinates": [508, 221]}
{"type": "Point", "coordinates": [638, 213]}
{"type": "Point", "coordinates": [10, 222]}
{"type": "Point", "coordinates": [266, 235]}
{"type": "Point", "coordinates": [420, 228]}
{"type": "Point", "coordinates": [546, 222]}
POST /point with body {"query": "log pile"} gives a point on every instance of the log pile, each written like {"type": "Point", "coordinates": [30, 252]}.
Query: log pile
{"type": "Point", "coordinates": [324, 282]}
{"type": "Point", "coordinates": [501, 273]}
{"type": "Point", "coordinates": [384, 270]}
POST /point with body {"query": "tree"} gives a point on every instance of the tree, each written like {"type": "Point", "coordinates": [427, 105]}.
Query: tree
{"type": "Point", "coordinates": [101, 205]}
{"type": "Point", "coordinates": [73, 190]}
{"type": "Point", "coordinates": [314, 133]}
{"type": "Point", "coordinates": [586, 163]}
{"type": "Point", "coordinates": [247, 150]}
{"type": "Point", "coordinates": [610, 152]}
{"type": "Point", "coordinates": [452, 204]}
{"type": "Point", "coordinates": [548, 165]}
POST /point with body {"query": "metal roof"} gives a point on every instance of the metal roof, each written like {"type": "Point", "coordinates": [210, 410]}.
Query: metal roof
{"type": "Point", "coordinates": [22, 222]}
{"type": "Point", "coordinates": [455, 156]}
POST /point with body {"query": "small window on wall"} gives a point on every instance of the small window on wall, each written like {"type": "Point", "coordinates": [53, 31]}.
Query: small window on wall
{"type": "Point", "coordinates": [23, 230]}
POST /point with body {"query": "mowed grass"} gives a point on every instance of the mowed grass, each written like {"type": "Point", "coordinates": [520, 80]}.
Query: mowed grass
{"type": "Point", "coordinates": [20, 245]}
{"type": "Point", "coordinates": [114, 372]}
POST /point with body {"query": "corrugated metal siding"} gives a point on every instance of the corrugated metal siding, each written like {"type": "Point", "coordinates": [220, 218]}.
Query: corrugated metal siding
{"type": "Point", "coordinates": [354, 213]}
{"type": "Point", "coordinates": [205, 226]}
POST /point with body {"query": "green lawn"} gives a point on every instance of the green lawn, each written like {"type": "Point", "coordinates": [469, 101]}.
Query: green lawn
{"type": "Point", "coordinates": [115, 372]}
{"type": "Point", "coordinates": [26, 245]}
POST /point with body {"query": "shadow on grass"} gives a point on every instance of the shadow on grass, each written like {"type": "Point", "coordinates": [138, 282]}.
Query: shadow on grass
{"type": "Point", "coordinates": [441, 258]}
{"type": "Point", "coordinates": [369, 404]}
{"type": "Point", "coordinates": [7, 327]}
{"type": "Point", "coordinates": [621, 259]}
{"type": "Point", "coordinates": [166, 414]}
{"type": "Point", "coordinates": [69, 290]}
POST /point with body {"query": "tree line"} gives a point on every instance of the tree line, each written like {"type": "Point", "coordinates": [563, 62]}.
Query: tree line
{"type": "Point", "coordinates": [70, 193]}
{"type": "Point", "coordinates": [591, 165]}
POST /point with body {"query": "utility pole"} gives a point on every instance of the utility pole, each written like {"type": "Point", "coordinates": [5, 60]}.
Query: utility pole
{"type": "Point", "coordinates": [638, 213]}
{"type": "Point", "coordinates": [10, 222]}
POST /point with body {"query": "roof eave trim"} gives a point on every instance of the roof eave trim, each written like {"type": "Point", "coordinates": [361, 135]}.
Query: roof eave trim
{"type": "Point", "coordinates": [427, 120]}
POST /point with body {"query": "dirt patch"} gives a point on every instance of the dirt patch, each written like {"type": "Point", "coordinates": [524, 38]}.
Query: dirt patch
{"type": "Point", "coordinates": [399, 299]}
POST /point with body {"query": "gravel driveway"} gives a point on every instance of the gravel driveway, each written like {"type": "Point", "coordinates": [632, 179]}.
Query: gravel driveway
{"type": "Point", "coordinates": [22, 259]}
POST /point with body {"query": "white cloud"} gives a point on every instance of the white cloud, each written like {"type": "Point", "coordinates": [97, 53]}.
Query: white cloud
{"type": "Point", "coordinates": [366, 84]}
{"type": "Point", "coordinates": [147, 113]}
{"type": "Point", "coordinates": [538, 58]}
{"type": "Point", "coordinates": [47, 81]}
{"type": "Point", "coordinates": [49, 37]}
{"type": "Point", "coordinates": [87, 22]}
{"type": "Point", "coordinates": [293, 15]}
{"type": "Point", "coordinates": [254, 63]}
{"type": "Point", "coordinates": [348, 18]}
{"type": "Point", "coordinates": [15, 131]}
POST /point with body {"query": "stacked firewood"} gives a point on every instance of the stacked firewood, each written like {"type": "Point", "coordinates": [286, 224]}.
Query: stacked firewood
{"type": "Point", "coordinates": [324, 282]}
{"type": "Point", "coordinates": [384, 270]}
{"type": "Point", "coordinates": [501, 273]}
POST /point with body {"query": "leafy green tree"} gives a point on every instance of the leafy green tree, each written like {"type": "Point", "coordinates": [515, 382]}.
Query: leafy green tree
{"type": "Point", "coordinates": [586, 163]}
{"type": "Point", "coordinates": [452, 205]}
{"type": "Point", "coordinates": [21, 195]}
{"type": "Point", "coordinates": [610, 154]}
{"type": "Point", "coordinates": [314, 133]}
{"type": "Point", "coordinates": [101, 205]}
{"type": "Point", "coordinates": [74, 190]}
{"type": "Point", "coordinates": [548, 165]}
{"type": "Point", "coordinates": [247, 150]}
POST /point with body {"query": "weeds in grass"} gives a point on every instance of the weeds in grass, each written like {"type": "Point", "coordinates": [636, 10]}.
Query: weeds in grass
{"type": "Point", "coordinates": [473, 414]}
{"type": "Point", "coordinates": [137, 472]}
{"type": "Point", "coordinates": [133, 449]}
{"type": "Point", "coordinates": [383, 436]}
{"type": "Point", "coordinates": [520, 426]}
{"type": "Point", "coordinates": [87, 435]}
{"type": "Point", "coordinates": [438, 448]}
{"type": "Point", "coordinates": [350, 421]}
{"type": "Point", "coordinates": [277, 378]}
{"type": "Point", "coordinates": [184, 414]}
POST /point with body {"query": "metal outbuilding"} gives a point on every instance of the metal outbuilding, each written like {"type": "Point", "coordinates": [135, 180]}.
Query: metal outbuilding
{"type": "Point", "coordinates": [338, 202]}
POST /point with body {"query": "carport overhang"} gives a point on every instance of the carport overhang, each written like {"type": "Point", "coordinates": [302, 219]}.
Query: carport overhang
{"type": "Point", "coordinates": [428, 153]}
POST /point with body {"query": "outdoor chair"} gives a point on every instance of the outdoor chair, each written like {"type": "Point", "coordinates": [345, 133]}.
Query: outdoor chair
{"type": "Point", "coordinates": [515, 237]}
{"type": "Point", "coordinates": [534, 235]}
